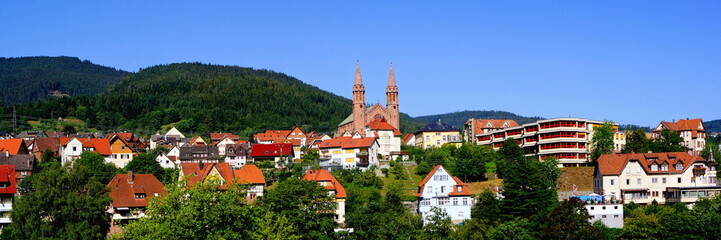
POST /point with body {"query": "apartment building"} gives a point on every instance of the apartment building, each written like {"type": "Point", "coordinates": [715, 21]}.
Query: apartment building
{"type": "Point", "coordinates": [474, 126]}
{"type": "Point", "coordinates": [437, 134]}
{"type": "Point", "coordinates": [664, 177]}
{"type": "Point", "coordinates": [692, 131]}
{"type": "Point", "coordinates": [566, 139]}
{"type": "Point", "coordinates": [349, 152]}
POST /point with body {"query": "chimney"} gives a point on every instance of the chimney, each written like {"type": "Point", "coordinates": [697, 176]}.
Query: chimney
{"type": "Point", "coordinates": [130, 177]}
{"type": "Point", "coordinates": [7, 153]}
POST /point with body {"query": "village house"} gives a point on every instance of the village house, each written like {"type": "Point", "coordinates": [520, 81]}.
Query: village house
{"type": "Point", "coordinates": [8, 189]}
{"type": "Point", "coordinates": [278, 154]}
{"type": "Point", "coordinates": [692, 131]}
{"type": "Point", "coordinates": [249, 175]}
{"type": "Point", "coordinates": [388, 137]}
{"type": "Point", "coordinates": [436, 134]}
{"type": "Point", "coordinates": [442, 190]}
{"type": "Point", "coordinates": [195, 153]}
{"type": "Point", "coordinates": [664, 177]}
{"type": "Point", "coordinates": [24, 164]}
{"type": "Point", "coordinates": [170, 138]}
{"type": "Point", "coordinates": [129, 194]}
{"type": "Point", "coordinates": [349, 152]}
{"type": "Point", "coordinates": [71, 148]}
{"type": "Point", "coordinates": [238, 155]}
{"type": "Point", "coordinates": [335, 189]}
{"type": "Point", "coordinates": [40, 145]}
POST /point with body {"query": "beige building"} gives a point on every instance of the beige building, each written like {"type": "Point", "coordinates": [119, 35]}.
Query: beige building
{"type": "Point", "coordinates": [692, 131]}
{"type": "Point", "coordinates": [664, 177]}
{"type": "Point", "coordinates": [436, 134]}
{"type": "Point", "coordinates": [473, 127]}
{"type": "Point", "coordinates": [566, 139]}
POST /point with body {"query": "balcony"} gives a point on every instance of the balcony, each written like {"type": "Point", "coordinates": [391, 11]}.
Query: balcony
{"type": "Point", "coordinates": [325, 156]}
{"type": "Point", "coordinates": [5, 220]}
{"type": "Point", "coordinates": [362, 163]}
{"type": "Point", "coordinates": [362, 154]}
{"type": "Point", "coordinates": [6, 207]}
{"type": "Point", "coordinates": [699, 171]}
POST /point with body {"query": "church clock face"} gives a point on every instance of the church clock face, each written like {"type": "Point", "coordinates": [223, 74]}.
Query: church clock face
{"type": "Point", "coordinates": [379, 116]}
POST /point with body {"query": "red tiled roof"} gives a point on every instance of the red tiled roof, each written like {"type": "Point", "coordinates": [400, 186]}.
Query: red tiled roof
{"type": "Point", "coordinates": [408, 137]}
{"type": "Point", "coordinates": [464, 188]}
{"type": "Point", "coordinates": [272, 135]}
{"type": "Point", "coordinates": [693, 125]}
{"type": "Point", "coordinates": [322, 175]}
{"type": "Point", "coordinates": [41, 144]}
{"type": "Point", "coordinates": [7, 175]}
{"type": "Point", "coordinates": [382, 124]}
{"type": "Point", "coordinates": [347, 142]}
{"type": "Point", "coordinates": [271, 150]}
{"type": "Point", "coordinates": [196, 174]}
{"type": "Point", "coordinates": [13, 146]}
{"type": "Point", "coordinates": [123, 190]}
{"type": "Point", "coordinates": [481, 124]}
{"type": "Point", "coordinates": [130, 139]}
{"type": "Point", "coordinates": [249, 174]}
{"type": "Point", "coordinates": [101, 145]}
{"type": "Point", "coordinates": [613, 164]}
{"type": "Point", "coordinates": [220, 136]}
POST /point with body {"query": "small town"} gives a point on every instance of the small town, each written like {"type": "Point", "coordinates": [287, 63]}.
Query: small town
{"type": "Point", "coordinates": [194, 145]}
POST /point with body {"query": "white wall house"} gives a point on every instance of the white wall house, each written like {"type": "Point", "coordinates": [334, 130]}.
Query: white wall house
{"type": "Point", "coordinates": [450, 194]}
{"type": "Point", "coordinates": [664, 177]}
{"type": "Point", "coordinates": [222, 145]}
{"type": "Point", "coordinates": [165, 161]}
{"type": "Point", "coordinates": [350, 152]}
{"type": "Point", "coordinates": [71, 151]}
{"type": "Point", "coordinates": [610, 215]}
{"type": "Point", "coordinates": [389, 138]}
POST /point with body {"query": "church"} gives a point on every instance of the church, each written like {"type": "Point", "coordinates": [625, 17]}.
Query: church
{"type": "Point", "coordinates": [362, 115]}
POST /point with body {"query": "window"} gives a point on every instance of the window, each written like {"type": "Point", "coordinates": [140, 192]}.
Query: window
{"type": "Point", "coordinates": [603, 216]}
{"type": "Point", "coordinates": [428, 138]}
{"type": "Point", "coordinates": [465, 201]}
{"type": "Point", "coordinates": [443, 201]}
{"type": "Point", "coordinates": [460, 189]}
{"type": "Point", "coordinates": [679, 180]}
{"type": "Point", "coordinates": [664, 167]}
{"type": "Point", "coordinates": [628, 170]}
{"type": "Point", "coordinates": [613, 182]}
{"type": "Point", "coordinates": [139, 195]}
{"type": "Point", "coordinates": [443, 189]}
{"type": "Point", "coordinates": [654, 180]}
{"type": "Point", "coordinates": [615, 207]}
{"type": "Point", "coordinates": [638, 169]}
{"type": "Point", "coordinates": [460, 214]}
{"type": "Point", "coordinates": [438, 142]}
{"type": "Point", "coordinates": [654, 168]}
{"type": "Point", "coordinates": [679, 167]}
{"type": "Point", "coordinates": [455, 201]}
{"type": "Point", "coordinates": [75, 149]}
{"type": "Point", "coordinates": [615, 216]}
{"type": "Point", "coordinates": [663, 180]}
{"type": "Point", "coordinates": [628, 181]}
{"type": "Point", "coordinates": [638, 181]}
{"type": "Point", "coordinates": [429, 189]}
{"type": "Point", "coordinates": [122, 147]}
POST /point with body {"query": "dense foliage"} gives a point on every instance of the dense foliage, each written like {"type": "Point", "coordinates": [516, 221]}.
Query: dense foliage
{"type": "Point", "coordinates": [467, 162]}
{"type": "Point", "coordinates": [27, 79]}
{"type": "Point", "coordinates": [602, 140]}
{"type": "Point", "coordinates": [457, 119]}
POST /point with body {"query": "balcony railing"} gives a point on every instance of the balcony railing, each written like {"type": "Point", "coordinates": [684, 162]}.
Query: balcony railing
{"type": "Point", "coordinates": [6, 207]}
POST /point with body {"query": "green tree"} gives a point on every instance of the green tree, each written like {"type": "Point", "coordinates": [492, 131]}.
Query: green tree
{"type": "Point", "coordinates": [438, 225]}
{"type": "Point", "coordinates": [200, 212]}
{"type": "Point", "coordinates": [711, 149]}
{"type": "Point", "coordinates": [639, 225]}
{"type": "Point", "coordinates": [145, 163]}
{"type": "Point", "coordinates": [471, 162]}
{"type": "Point", "coordinates": [668, 141]}
{"type": "Point", "coordinates": [423, 168]}
{"type": "Point", "coordinates": [65, 203]}
{"type": "Point", "coordinates": [473, 229]}
{"type": "Point", "coordinates": [529, 185]}
{"type": "Point", "coordinates": [637, 142]}
{"type": "Point", "coordinates": [602, 140]}
{"type": "Point", "coordinates": [570, 221]}
{"type": "Point", "coordinates": [518, 229]}
{"type": "Point", "coordinates": [97, 166]}
{"type": "Point", "coordinates": [306, 205]}
{"type": "Point", "coordinates": [488, 208]}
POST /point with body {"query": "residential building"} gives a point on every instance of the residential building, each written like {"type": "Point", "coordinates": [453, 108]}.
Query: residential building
{"type": "Point", "coordinates": [13, 146]}
{"type": "Point", "coordinates": [165, 161]}
{"type": "Point", "coordinates": [349, 152]}
{"type": "Point", "coordinates": [474, 126]}
{"type": "Point", "coordinates": [295, 137]}
{"type": "Point", "coordinates": [222, 145]}
{"type": "Point", "coordinates": [215, 138]}
{"type": "Point", "coordinates": [24, 164]}
{"type": "Point", "coordinates": [251, 176]}
{"type": "Point", "coordinates": [437, 134]}
{"type": "Point", "coordinates": [170, 138]}
{"type": "Point", "coordinates": [278, 154]}
{"type": "Point", "coordinates": [134, 142]}
{"type": "Point", "coordinates": [71, 148]}
{"type": "Point", "coordinates": [448, 193]}
{"type": "Point", "coordinates": [409, 140]}
{"type": "Point", "coordinates": [197, 153]}
{"type": "Point", "coordinates": [361, 116]}
{"type": "Point", "coordinates": [388, 137]}
{"type": "Point", "coordinates": [41, 144]}
{"type": "Point", "coordinates": [237, 155]}
{"type": "Point", "coordinates": [8, 189]}
{"type": "Point", "coordinates": [121, 152]}
{"type": "Point", "coordinates": [566, 139]}
{"type": "Point", "coordinates": [129, 194]}
{"type": "Point", "coordinates": [692, 131]}
{"type": "Point", "coordinates": [619, 142]}
{"type": "Point", "coordinates": [335, 189]}
{"type": "Point", "coordinates": [664, 177]}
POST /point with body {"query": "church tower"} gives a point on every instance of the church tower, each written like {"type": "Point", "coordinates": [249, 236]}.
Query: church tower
{"type": "Point", "coordinates": [392, 100]}
{"type": "Point", "coordinates": [359, 102]}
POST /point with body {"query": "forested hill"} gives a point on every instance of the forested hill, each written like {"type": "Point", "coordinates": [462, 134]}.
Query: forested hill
{"type": "Point", "coordinates": [27, 79]}
{"type": "Point", "coordinates": [200, 98]}
{"type": "Point", "coordinates": [713, 126]}
{"type": "Point", "coordinates": [457, 119]}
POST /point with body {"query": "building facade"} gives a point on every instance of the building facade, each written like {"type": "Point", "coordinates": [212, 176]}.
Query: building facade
{"type": "Point", "coordinates": [473, 127]}
{"type": "Point", "coordinates": [335, 189]}
{"type": "Point", "coordinates": [361, 116]}
{"type": "Point", "coordinates": [442, 190]}
{"type": "Point", "coordinates": [664, 177]}
{"type": "Point", "coordinates": [349, 152]}
{"type": "Point", "coordinates": [692, 131]}
{"type": "Point", "coordinates": [566, 139]}
{"type": "Point", "coordinates": [436, 134]}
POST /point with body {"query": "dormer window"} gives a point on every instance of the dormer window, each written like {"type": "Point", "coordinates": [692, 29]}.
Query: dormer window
{"type": "Point", "coordinates": [140, 196]}
{"type": "Point", "coordinates": [664, 167]}
{"type": "Point", "coordinates": [679, 167]}
{"type": "Point", "coordinates": [654, 168]}
{"type": "Point", "coordinates": [460, 189]}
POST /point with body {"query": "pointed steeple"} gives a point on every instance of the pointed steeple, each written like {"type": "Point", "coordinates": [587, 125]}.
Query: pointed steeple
{"type": "Point", "coordinates": [358, 78]}
{"type": "Point", "coordinates": [391, 77]}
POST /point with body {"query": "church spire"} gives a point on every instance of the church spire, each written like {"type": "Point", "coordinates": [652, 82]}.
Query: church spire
{"type": "Point", "coordinates": [392, 100]}
{"type": "Point", "coordinates": [391, 77]}
{"type": "Point", "coordinates": [358, 78]}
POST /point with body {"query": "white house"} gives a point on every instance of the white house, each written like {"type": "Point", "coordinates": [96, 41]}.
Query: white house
{"type": "Point", "coordinates": [350, 152]}
{"type": "Point", "coordinates": [222, 145]}
{"type": "Point", "coordinates": [450, 194]}
{"type": "Point", "coordinates": [165, 161]}
{"type": "Point", "coordinates": [388, 137]}
{"type": "Point", "coordinates": [664, 177]}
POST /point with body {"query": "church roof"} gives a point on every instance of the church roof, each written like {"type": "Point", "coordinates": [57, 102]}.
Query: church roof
{"type": "Point", "coordinates": [349, 119]}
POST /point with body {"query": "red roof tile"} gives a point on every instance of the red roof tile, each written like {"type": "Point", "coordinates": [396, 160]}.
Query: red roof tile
{"type": "Point", "coordinates": [249, 174]}
{"type": "Point", "coordinates": [13, 146]}
{"type": "Point", "coordinates": [613, 164]}
{"type": "Point", "coordinates": [408, 137]}
{"type": "Point", "coordinates": [220, 136]}
{"type": "Point", "coordinates": [41, 144]}
{"type": "Point", "coordinates": [347, 142]}
{"type": "Point", "coordinates": [382, 124]}
{"type": "Point", "coordinates": [7, 175]}
{"type": "Point", "coordinates": [271, 150]}
{"type": "Point", "coordinates": [322, 175]}
{"type": "Point", "coordinates": [464, 188]}
{"type": "Point", "coordinates": [123, 189]}
{"type": "Point", "coordinates": [198, 172]}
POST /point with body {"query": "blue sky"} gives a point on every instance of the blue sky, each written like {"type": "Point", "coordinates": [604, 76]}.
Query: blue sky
{"type": "Point", "coordinates": [637, 62]}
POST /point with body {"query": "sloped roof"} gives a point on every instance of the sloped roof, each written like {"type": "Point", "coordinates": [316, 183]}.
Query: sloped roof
{"type": "Point", "coordinates": [198, 172]}
{"type": "Point", "coordinates": [613, 164]}
{"type": "Point", "coordinates": [382, 124]}
{"type": "Point", "coordinates": [271, 150]}
{"type": "Point", "coordinates": [693, 125]}
{"type": "Point", "coordinates": [22, 162]}
{"type": "Point", "coordinates": [7, 175]}
{"type": "Point", "coordinates": [464, 187]}
{"type": "Point", "coordinates": [349, 119]}
{"type": "Point", "coordinates": [220, 136]}
{"type": "Point", "coordinates": [480, 124]}
{"type": "Point", "coordinates": [13, 146]}
{"type": "Point", "coordinates": [347, 142]}
{"type": "Point", "coordinates": [272, 135]}
{"type": "Point", "coordinates": [408, 137]}
{"type": "Point", "coordinates": [101, 145]}
{"type": "Point", "coordinates": [123, 189]}
{"type": "Point", "coordinates": [322, 175]}
{"type": "Point", "coordinates": [249, 174]}
{"type": "Point", "coordinates": [51, 143]}
{"type": "Point", "coordinates": [437, 126]}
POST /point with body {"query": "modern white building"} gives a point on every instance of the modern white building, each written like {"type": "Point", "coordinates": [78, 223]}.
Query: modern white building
{"type": "Point", "coordinates": [610, 214]}
{"type": "Point", "coordinates": [388, 137]}
{"type": "Point", "coordinates": [664, 177]}
{"type": "Point", "coordinates": [566, 139]}
{"type": "Point", "coordinates": [450, 194]}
